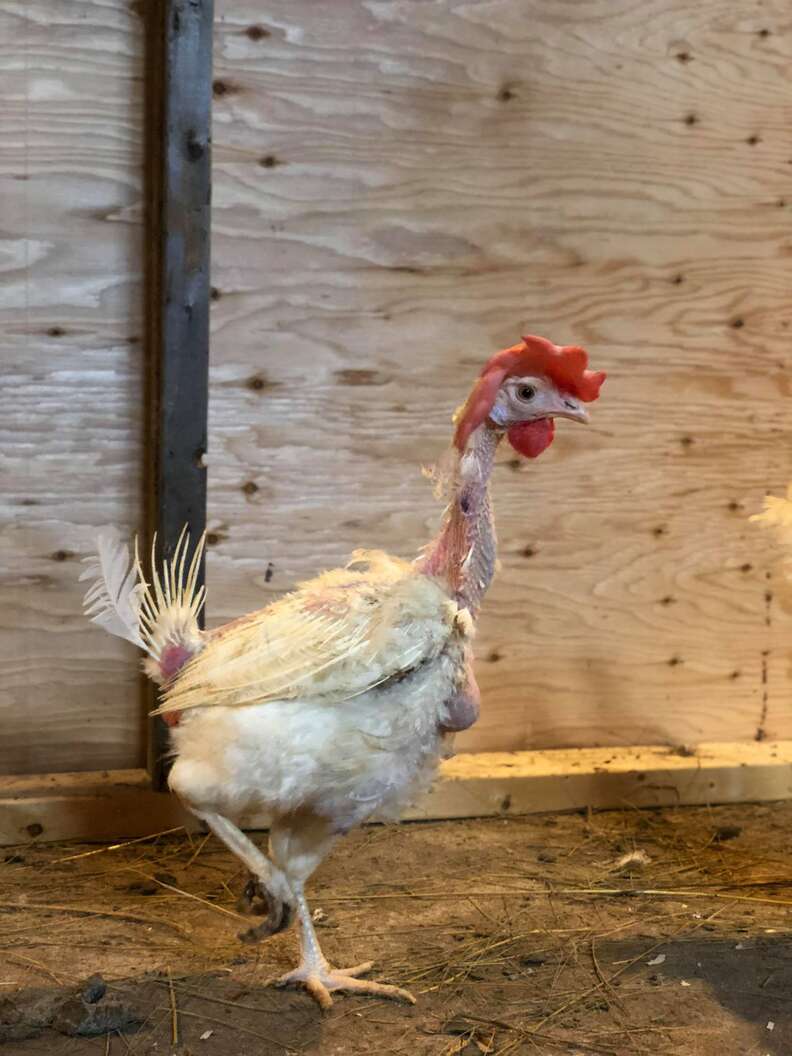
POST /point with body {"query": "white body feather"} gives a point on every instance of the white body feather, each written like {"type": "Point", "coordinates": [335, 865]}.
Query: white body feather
{"type": "Point", "coordinates": [357, 733]}
{"type": "Point", "coordinates": [330, 700]}
{"type": "Point", "coordinates": [343, 760]}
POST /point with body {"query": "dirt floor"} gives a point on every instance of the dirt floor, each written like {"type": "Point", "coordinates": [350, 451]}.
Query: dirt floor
{"type": "Point", "coordinates": [520, 935]}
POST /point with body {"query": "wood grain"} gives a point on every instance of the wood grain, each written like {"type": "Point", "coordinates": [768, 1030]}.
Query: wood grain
{"type": "Point", "coordinates": [70, 400]}
{"type": "Point", "coordinates": [402, 188]}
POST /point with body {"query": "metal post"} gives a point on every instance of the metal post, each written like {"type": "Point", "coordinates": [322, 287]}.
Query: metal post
{"type": "Point", "coordinates": [178, 151]}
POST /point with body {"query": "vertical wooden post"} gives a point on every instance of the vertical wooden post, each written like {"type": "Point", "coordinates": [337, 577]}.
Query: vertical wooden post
{"type": "Point", "coordinates": [178, 149]}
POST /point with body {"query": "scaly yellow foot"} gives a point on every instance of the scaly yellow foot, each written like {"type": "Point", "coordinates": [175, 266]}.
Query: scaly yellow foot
{"type": "Point", "coordinates": [321, 980]}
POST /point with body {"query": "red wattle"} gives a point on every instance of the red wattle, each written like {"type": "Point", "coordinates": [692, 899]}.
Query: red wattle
{"type": "Point", "coordinates": [532, 438]}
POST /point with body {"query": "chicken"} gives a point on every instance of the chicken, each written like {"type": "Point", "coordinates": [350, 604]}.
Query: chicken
{"type": "Point", "coordinates": [335, 703]}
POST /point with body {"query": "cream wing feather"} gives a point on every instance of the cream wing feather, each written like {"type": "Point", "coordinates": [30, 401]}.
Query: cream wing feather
{"type": "Point", "coordinates": [333, 638]}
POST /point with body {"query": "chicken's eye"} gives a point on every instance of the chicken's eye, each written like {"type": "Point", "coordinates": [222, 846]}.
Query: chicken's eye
{"type": "Point", "coordinates": [526, 392]}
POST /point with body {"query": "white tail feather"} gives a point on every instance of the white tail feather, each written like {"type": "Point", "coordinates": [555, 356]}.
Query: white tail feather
{"type": "Point", "coordinates": [113, 601]}
{"type": "Point", "coordinates": [150, 615]}
{"type": "Point", "coordinates": [170, 604]}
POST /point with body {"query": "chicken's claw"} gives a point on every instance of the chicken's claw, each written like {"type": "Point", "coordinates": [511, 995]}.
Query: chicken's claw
{"type": "Point", "coordinates": [256, 899]}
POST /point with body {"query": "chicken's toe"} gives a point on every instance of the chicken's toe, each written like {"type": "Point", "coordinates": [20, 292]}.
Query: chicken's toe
{"type": "Point", "coordinates": [358, 969]}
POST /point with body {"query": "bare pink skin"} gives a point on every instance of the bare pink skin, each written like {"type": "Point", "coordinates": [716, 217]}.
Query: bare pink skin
{"type": "Point", "coordinates": [172, 660]}
{"type": "Point", "coordinates": [462, 710]}
{"type": "Point", "coordinates": [463, 554]}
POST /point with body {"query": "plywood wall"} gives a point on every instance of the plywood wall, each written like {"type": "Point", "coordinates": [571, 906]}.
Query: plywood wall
{"type": "Point", "coordinates": [400, 189]}
{"type": "Point", "coordinates": [403, 187]}
{"type": "Point", "coordinates": [71, 390]}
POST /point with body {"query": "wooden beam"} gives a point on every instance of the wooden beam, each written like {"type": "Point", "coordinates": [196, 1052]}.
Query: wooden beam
{"type": "Point", "coordinates": [488, 783]}
{"type": "Point", "coordinates": [179, 64]}
{"type": "Point", "coordinates": [120, 804]}
{"type": "Point", "coordinates": [115, 804]}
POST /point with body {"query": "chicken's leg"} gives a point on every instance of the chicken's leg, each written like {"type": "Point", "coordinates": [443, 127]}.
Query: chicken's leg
{"type": "Point", "coordinates": [316, 975]}
{"type": "Point", "coordinates": [278, 892]}
{"type": "Point", "coordinates": [298, 844]}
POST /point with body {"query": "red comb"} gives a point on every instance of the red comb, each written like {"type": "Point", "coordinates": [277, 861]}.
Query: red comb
{"type": "Point", "coordinates": [565, 365]}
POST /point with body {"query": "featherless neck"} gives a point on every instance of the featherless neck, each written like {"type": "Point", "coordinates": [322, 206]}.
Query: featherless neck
{"type": "Point", "coordinates": [464, 552]}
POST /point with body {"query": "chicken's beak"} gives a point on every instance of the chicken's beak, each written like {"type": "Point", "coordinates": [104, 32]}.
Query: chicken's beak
{"type": "Point", "coordinates": [572, 408]}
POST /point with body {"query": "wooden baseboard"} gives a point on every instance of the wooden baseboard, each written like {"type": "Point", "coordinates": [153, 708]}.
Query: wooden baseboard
{"type": "Point", "coordinates": [489, 783]}
{"type": "Point", "coordinates": [115, 805]}
{"type": "Point", "coordinates": [102, 806]}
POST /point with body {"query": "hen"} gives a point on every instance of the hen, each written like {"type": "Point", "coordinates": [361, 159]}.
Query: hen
{"type": "Point", "coordinates": [335, 703]}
